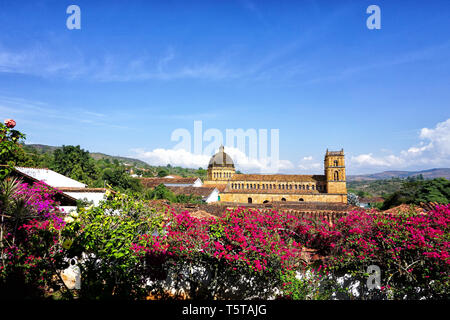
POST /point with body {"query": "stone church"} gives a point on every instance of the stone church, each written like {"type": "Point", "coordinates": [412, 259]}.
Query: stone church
{"type": "Point", "coordinates": [264, 188]}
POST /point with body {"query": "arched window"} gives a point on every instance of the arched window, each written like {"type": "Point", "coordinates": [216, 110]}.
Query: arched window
{"type": "Point", "coordinates": [283, 199]}
{"type": "Point", "coordinates": [250, 200]}
{"type": "Point", "coordinates": [336, 175]}
{"type": "Point", "coordinates": [312, 187]}
{"type": "Point", "coordinates": [307, 187]}
{"type": "Point", "coordinates": [301, 199]}
{"type": "Point", "coordinates": [266, 201]}
{"type": "Point", "coordinates": [336, 163]}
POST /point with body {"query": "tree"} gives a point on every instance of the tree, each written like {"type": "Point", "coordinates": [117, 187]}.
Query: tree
{"type": "Point", "coordinates": [163, 173]}
{"type": "Point", "coordinates": [74, 162]}
{"type": "Point", "coordinates": [416, 192]}
{"type": "Point", "coordinates": [10, 149]}
{"type": "Point", "coordinates": [352, 199]}
{"type": "Point", "coordinates": [160, 192]}
{"type": "Point", "coordinates": [117, 177]}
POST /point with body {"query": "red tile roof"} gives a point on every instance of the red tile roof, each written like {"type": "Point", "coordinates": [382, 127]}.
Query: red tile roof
{"type": "Point", "coordinates": [371, 200]}
{"type": "Point", "coordinates": [272, 191]}
{"type": "Point", "coordinates": [220, 186]}
{"type": "Point", "coordinates": [197, 191]}
{"type": "Point", "coordinates": [278, 177]}
{"type": "Point", "coordinates": [153, 182]}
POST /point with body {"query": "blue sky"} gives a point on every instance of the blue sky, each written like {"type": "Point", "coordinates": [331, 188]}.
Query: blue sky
{"type": "Point", "coordinates": [138, 70]}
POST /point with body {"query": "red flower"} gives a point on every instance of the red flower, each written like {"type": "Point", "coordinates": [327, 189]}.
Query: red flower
{"type": "Point", "coordinates": [10, 123]}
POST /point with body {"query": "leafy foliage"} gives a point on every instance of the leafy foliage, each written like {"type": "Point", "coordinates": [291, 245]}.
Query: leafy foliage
{"type": "Point", "coordinates": [101, 239]}
{"type": "Point", "coordinates": [161, 192]}
{"type": "Point", "coordinates": [29, 240]}
{"type": "Point", "coordinates": [415, 192]}
{"type": "Point", "coordinates": [74, 162]}
{"type": "Point", "coordinates": [10, 149]}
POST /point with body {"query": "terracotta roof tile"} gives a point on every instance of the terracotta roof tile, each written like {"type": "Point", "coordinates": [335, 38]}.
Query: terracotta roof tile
{"type": "Point", "coordinates": [278, 177]}
{"type": "Point", "coordinates": [197, 191]}
{"type": "Point", "coordinates": [369, 200]}
{"type": "Point", "coordinates": [153, 182]}
{"type": "Point", "coordinates": [272, 191]}
{"type": "Point", "coordinates": [220, 186]}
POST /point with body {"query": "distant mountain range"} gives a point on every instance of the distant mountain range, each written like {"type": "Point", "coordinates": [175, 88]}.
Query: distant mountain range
{"type": "Point", "coordinates": [42, 148]}
{"type": "Point", "coordinates": [427, 174]}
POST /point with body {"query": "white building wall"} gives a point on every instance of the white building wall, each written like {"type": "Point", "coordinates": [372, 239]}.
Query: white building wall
{"type": "Point", "coordinates": [213, 197]}
{"type": "Point", "coordinates": [197, 183]}
{"type": "Point", "coordinates": [96, 197]}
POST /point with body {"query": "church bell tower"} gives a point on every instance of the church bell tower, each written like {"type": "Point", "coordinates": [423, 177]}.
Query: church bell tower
{"type": "Point", "coordinates": [335, 172]}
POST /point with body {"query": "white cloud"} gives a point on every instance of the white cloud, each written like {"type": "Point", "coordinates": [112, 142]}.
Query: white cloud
{"type": "Point", "coordinates": [432, 150]}
{"type": "Point", "coordinates": [370, 160]}
{"type": "Point", "coordinates": [308, 165]}
{"type": "Point", "coordinates": [183, 158]}
{"type": "Point", "coordinates": [439, 138]}
{"type": "Point", "coordinates": [38, 61]}
{"type": "Point", "coordinates": [174, 157]}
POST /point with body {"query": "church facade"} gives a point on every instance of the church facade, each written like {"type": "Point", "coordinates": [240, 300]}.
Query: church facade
{"type": "Point", "coordinates": [264, 188]}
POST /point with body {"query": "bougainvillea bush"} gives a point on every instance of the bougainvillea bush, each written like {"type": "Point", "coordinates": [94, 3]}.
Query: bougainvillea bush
{"type": "Point", "coordinates": [127, 248]}
{"type": "Point", "coordinates": [239, 255]}
{"type": "Point", "coordinates": [411, 249]}
{"type": "Point", "coordinates": [30, 247]}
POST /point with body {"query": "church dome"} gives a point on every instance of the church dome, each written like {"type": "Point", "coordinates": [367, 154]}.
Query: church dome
{"type": "Point", "coordinates": [221, 159]}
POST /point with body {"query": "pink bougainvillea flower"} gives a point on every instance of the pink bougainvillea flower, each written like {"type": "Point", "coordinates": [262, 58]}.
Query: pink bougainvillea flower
{"type": "Point", "coordinates": [10, 123]}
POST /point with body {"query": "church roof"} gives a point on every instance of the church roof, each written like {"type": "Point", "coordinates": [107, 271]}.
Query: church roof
{"type": "Point", "coordinates": [219, 186]}
{"type": "Point", "coordinates": [278, 177]}
{"type": "Point", "coordinates": [272, 191]}
{"type": "Point", "coordinates": [221, 159]}
{"type": "Point", "coordinates": [196, 191]}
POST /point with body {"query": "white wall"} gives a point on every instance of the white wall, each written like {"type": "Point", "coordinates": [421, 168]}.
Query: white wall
{"type": "Point", "coordinates": [96, 197]}
{"type": "Point", "coordinates": [198, 183]}
{"type": "Point", "coordinates": [213, 197]}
